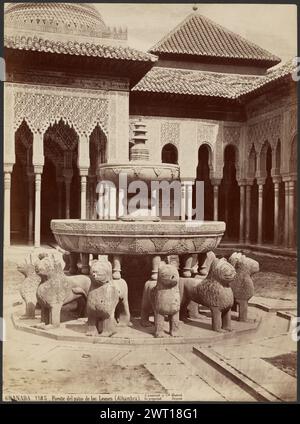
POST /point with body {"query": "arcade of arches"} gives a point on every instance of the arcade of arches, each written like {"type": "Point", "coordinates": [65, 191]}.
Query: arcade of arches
{"type": "Point", "coordinates": [51, 166]}
{"type": "Point", "coordinates": [58, 187]}
{"type": "Point", "coordinates": [264, 205]}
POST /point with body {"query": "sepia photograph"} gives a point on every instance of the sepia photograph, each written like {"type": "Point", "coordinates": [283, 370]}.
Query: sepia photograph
{"type": "Point", "coordinates": [150, 203]}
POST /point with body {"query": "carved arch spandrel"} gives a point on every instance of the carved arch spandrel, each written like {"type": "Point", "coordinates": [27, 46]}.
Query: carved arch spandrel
{"type": "Point", "coordinates": [43, 106]}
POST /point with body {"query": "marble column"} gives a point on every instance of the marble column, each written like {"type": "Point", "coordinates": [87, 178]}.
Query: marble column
{"type": "Point", "coordinates": [30, 179]}
{"type": "Point", "coordinates": [189, 196]}
{"type": "Point", "coordinates": [106, 199]}
{"type": "Point", "coordinates": [248, 222]}
{"type": "Point", "coordinates": [83, 196]}
{"type": "Point", "coordinates": [242, 212]}
{"type": "Point", "coordinates": [286, 213]}
{"type": "Point", "coordinates": [7, 190]}
{"type": "Point", "coordinates": [183, 200]}
{"type": "Point", "coordinates": [276, 211]}
{"type": "Point", "coordinates": [112, 202]}
{"type": "Point", "coordinates": [37, 215]}
{"type": "Point", "coordinates": [59, 182]}
{"type": "Point", "coordinates": [292, 229]}
{"type": "Point", "coordinates": [216, 202]}
{"type": "Point", "coordinates": [260, 213]}
{"type": "Point", "coordinates": [68, 174]}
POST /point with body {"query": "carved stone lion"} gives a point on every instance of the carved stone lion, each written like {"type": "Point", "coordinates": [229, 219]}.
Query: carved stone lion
{"type": "Point", "coordinates": [242, 285]}
{"type": "Point", "coordinates": [162, 297]}
{"type": "Point", "coordinates": [58, 290]}
{"type": "Point", "coordinates": [29, 287]}
{"type": "Point", "coordinates": [102, 300]}
{"type": "Point", "coordinates": [213, 292]}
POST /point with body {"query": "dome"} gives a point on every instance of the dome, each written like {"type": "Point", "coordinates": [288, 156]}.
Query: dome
{"type": "Point", "coordinates": [57, 18]}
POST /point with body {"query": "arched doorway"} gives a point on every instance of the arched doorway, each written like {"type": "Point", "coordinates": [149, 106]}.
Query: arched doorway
{"type": "Point", "coordinates": [229, 210]}
{"type": "Point", "coordinates": [60, 189]}
{"type": "Point", "coordinates": [268, 196]}
{"type": "Point", "coordinates": [203, 174]}
{"type": "Point", "coordinates": [22, 188]}
{"type": "Point", "coordinates": [169, 154]}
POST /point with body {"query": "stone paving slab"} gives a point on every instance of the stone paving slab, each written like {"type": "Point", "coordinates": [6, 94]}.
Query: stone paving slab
{"type": "Point", "coordinates": [180, 378]}
{"type": "Point", "coordinates": [272, 379]}
{"type": "Point", "coordinates": [253, 373]}
{"type": "Point", "coordinates": [273, 305]}
{"type": "Point", "coordinates": [240, 379]}
{"type": "Point", "coordinates": [265, 347]}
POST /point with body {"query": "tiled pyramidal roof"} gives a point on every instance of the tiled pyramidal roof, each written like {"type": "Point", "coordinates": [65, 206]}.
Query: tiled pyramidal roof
{"type": "Point", "coordinates": [200, 83]}
{"type": "Point", "coordinates": [199, 36]}
{"type": "Point", "coordinates": [39, 44]}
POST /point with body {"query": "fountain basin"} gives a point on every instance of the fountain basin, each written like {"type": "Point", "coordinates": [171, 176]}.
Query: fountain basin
{"type": "Point", "coordinates": [142, 171]}
{"type": "Point", "coordinates": [137, 237]}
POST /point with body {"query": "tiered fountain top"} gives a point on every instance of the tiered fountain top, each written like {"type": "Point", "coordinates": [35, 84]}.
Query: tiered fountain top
{"type": "Point", "coordinates": [139, 166]}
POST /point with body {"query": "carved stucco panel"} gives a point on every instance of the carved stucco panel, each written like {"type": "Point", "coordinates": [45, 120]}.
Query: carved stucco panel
{"type": "Point", "coordinates": [266, 130]}
{"type": "Point", "coordinates": [42, 106]}
{"type": "Point", "coordinates": [170, 133]}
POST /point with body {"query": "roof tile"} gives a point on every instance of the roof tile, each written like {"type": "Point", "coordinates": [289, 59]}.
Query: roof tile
{"type": "Point", "coordinates": [199, 36]}
{"type": "Point", "coordinates": [82, 49]}
{"type": "Point", "coordinates": [200, 83]}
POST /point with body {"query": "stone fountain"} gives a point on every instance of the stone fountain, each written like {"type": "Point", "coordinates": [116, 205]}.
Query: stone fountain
{"type": "Point", "coordinates": [121, 235]}
{"type": "Point", "coordinates": [139, 263]}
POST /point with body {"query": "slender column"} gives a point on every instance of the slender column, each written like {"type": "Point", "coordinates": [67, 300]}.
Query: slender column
{"type": "Point", "coordinates": [30, 207]}
{"type": "Point", "coordinates": [37, 215]}
{"type": "Point", "coordinates": [286, 213]}
{"type": "Point", "coordinates": [59, 196]}
{"type": "Point", "coordinates": [276, 213]}
{"type": "Point", "coordinates": [183, 200]}
{"type": "Point", "coordinates": [242, 212]}
{"type": "Point", "coordinates": [260, 212]}
{"type": "Point", "coordinates": [216, 202]}
{"type": "Point", "coordinates": [7, 189]}
{"type": "Point", "coordinates": [38, 162]}
{"type": "Point", "coordinates": [112, 202]}
{"type": "Point", "coordinates": [83, 196]}
{"type": "Point", "coordinates": [106, 202]}
{"type": "Point", "coordinates": [248, 223]}
{"type": "Point", "coordinates": [68, 178]}
{"type": "Point", "coordinates": [189, 194]}
{"type": "Point", "coordinates": [291, 214]}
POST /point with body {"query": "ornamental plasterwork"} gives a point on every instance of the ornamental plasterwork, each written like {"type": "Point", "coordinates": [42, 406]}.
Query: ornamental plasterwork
{"type": "Point", "coordinates": [267, 130]}
{"type": "Point", "coordinates": [170, 133]}
{"type": "Point", "coordinates": [232, 135]}
{"type": "Point", "coordinates": [43, 106]}
{"type": "Point", "coordinates": [206, 133]}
